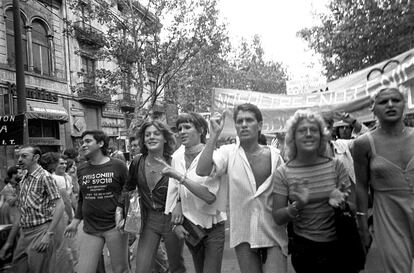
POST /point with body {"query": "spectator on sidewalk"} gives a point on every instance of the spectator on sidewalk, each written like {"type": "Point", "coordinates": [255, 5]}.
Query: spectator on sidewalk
{"type": "Point", "coordinates": [9, 196]}
{"type": "Point", "coordinates": [41, 209]}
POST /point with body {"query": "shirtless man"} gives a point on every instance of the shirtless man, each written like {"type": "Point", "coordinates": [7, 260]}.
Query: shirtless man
{"type": "Point", "coordinates": [260, 244]}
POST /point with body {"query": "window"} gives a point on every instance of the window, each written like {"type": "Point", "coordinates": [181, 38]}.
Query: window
{"type": "Point", "coordinates": [43, 128]}
{"type": "Point", "coordinates": [88, 69]}
{"type": "Point", "coordinates": [11, 55]}
{"type": "Point", "coordinates": [41, 49]}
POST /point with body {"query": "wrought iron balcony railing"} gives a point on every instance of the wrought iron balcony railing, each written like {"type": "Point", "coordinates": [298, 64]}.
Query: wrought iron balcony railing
{"type": "Point", "coordinates": [86, 34]}
{"type": "Point", "coordinates": [127, 101]}
{"type": "Point", "coordinates": [89, 93]}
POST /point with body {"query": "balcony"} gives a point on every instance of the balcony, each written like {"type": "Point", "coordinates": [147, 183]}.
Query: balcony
{"type": "Point", "coordinates": [88, 35]}
{"type": "Point", "coordinates": [127, 102]}
{"type": "Point", "coordinates": [89, 93]}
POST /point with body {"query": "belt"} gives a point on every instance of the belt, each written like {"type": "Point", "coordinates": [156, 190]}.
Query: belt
{"type": "Point", "coordinates": [158, 209]}
{"type": "Point", "coordinates": [26, 229]}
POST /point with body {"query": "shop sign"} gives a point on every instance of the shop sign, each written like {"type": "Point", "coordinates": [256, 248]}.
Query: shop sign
{"type": "Point", "coordinates": [111, 110]}
{"type": "Point", "coordinates": [44, 141]}
{"type": "Point", "coordinates": [34, 93]}
{"type": "Point", "coordinates": [11, 130]}
{"type": "Point", "coordinates": [110, 124]}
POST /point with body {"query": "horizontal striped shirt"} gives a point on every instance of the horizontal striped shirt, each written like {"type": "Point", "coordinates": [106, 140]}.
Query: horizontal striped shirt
{"type": "Point", "coordinates": [251, 219]}
{"type": "Point", "coordinates": [316, 221]}
{"type": "Point", "coordinates": [38, 190]}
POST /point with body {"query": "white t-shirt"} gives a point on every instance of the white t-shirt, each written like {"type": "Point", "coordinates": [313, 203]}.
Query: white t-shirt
{"type": "Point", "coordinates": [64, 182]}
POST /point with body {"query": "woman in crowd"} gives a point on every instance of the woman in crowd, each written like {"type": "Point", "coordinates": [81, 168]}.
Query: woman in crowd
{"type": "Point", "coordinates": [383, 161]}
{"type": "Point", "coordinates": [303, 187]}
{"type": "Point", "coordinates": [8, 196]}
{"type": "Point", "coordinates": [155, 140]}
{"type": "Point", "coordinates": [199, 200]}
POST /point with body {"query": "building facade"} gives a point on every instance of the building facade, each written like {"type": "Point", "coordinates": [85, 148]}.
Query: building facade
{"type": "Point", "coordinates": [61, 88]}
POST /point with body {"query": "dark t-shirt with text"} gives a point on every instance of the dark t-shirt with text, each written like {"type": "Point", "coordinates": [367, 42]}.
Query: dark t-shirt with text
{"type": "Point", "coordinates": [100, 188]}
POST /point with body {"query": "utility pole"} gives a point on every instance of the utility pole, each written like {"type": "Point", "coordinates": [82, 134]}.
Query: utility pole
{"type": "Point", "coordinates": [19, 61]}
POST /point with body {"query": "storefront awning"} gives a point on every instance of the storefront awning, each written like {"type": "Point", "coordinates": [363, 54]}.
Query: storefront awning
{"type": "Point", "coordinates": [38, 110]}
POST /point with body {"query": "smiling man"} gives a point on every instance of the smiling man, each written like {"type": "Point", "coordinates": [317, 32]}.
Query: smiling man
{"type": "Point", "coordinates": [40, 209]}
{"type": "Point", "coordinates": [260, 244]}
{"type": "Point", "coordinates": [101, 179]}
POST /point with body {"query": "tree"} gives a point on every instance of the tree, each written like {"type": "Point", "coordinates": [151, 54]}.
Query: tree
{"type": "Point", "coordinates": [220, 65]}
{"type": "Point", "coordinates": [358, 33]}
{"type": "Point", "coordinates": [248, 70]}
{"type": "Point", "coordinates": [150, 44]}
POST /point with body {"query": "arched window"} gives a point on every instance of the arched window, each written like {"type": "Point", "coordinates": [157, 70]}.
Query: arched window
{"type": "Point", "coordinates": [11, 55]}
{"type": "Point", "coordinates": [41, 49]}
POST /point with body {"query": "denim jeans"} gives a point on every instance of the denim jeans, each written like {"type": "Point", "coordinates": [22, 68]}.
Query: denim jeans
{"type": "Point", "coordinates": [159, 225]}
{"type": "Point", "coordinates": [92, 246]}
{"type": "Point", "coordinates": [25, 258]}
{"type": "Point", "coordinates": [208, 254]}
{"type": "Point", "coordinates": [249, 260]}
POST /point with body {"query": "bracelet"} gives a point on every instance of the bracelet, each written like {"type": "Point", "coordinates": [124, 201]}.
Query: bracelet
{"type": "Point", "coordinates": [182, 179]}
{"type": "Point", "coordinates": [293, 205]}
{"type": "Point", "coordinates": [353, 123]}
{"type": "Point", "coordinates": [359, 213]}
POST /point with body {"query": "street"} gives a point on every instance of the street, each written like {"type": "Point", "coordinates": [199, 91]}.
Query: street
{"type": "Point", "coordinates": [230, 261]}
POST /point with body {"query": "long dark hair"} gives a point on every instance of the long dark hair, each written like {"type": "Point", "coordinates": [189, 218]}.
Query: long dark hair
{"type": "Point", "coordinates": [166, 132]}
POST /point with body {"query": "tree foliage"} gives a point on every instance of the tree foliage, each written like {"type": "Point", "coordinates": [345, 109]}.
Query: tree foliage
{"type": "Point", "coordinates": [248, 70]}
{"type": "Point", "coordinates": [151, 43]}
{"type": "Point", "coordinates": [221, 65]}
{"type": "Point", "coordinates": [358, 33]}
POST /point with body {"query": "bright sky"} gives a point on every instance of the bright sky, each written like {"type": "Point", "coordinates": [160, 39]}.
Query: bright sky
{"type": "Point", "coordinates": [276, 22]}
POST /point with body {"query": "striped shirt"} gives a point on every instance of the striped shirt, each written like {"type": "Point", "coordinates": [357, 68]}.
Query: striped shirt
{"type": "Point", "coordinates": [37, 192]}
{"type": "Point", "coordinates": [316, 221]}
{"type": "Point", "coordinates": [251, 219]}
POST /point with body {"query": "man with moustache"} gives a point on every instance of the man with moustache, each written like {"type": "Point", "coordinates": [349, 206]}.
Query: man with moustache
{"type": "Point", "coordinates": [260, 244]}
{"type": "Point", "coordinates": [101, 179]}
{"type": "Point", "coordinates": [40, 209]}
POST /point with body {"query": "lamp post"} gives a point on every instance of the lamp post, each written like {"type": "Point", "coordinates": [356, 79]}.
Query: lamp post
{"type": "Point", "coordinates": [19, 61]}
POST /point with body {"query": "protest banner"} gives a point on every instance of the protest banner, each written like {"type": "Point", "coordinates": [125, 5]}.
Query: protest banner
{"type": "Point", "coordinates": [350, 94]}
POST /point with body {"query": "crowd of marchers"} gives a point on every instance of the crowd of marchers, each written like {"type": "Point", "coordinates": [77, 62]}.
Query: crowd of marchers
{"type": "Point", "coordinates": [281, 199]}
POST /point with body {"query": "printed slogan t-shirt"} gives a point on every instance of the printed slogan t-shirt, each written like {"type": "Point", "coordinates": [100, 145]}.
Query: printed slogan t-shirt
{"type": "Point", "coordinates": [100, 188]}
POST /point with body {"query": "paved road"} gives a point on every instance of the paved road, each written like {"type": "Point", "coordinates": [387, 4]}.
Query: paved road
{"type": "Point", "coordinates": [230, 261]}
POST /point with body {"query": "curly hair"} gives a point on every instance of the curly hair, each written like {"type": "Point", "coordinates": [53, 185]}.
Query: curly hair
{"type": "Point", "coordinates": [291, 126]}
{"type": "Point", "coordinates": [50, 160]}
{"type": "Point", "coordinates": [166, 132]}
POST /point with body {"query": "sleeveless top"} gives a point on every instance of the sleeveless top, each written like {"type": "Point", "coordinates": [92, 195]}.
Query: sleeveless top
{"type": "Point", "coordinates": [393, 211]}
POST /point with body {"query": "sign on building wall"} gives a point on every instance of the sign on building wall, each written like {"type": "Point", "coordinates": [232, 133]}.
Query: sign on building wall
{"type": "Point", "coordinates": [11, 130]}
